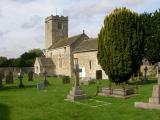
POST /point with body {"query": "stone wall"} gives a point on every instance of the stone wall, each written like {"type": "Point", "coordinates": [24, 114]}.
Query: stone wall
{"type": "Point", "coordinates": [88, 61]}
{"type": "Point", "coordinates": [15, 70]}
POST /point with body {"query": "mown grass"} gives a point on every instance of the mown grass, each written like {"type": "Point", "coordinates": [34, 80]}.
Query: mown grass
{"type": "Point", "coordinates": [31, 104]}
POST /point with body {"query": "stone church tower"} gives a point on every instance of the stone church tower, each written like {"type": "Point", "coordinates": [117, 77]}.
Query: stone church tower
{"type": "Point", "coordinates": [56, 28]}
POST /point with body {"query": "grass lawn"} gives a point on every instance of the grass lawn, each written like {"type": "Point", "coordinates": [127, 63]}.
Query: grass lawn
{"type": "Point", "coordinates": [31, 104]}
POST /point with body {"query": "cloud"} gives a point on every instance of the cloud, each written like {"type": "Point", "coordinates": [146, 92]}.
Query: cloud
{"type": "Point", "coordinates": [133, 1]}
{"type": "Point", "coordinates": [23, 1]}
{"type": "Point", "coordinates": [2, 34]}
{"type": "Point", "coordinates": [34, 21]}
{"type": "Point", "coordinates": [22, 21]}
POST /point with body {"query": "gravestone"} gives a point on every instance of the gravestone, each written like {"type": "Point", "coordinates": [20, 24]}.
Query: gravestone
{"type": "Point", "coordinates": [40, 86]}
{"type": "Point", "coordinates": [46, 83]}
{"type": "Point", "coordinates": [76, 93]}
{"type": "Point", "coordinates": [20, 77]}
{"type": "Point", "coordinates": [154, 101]}
{"type": "Point", "coordinates": [145, 75]}
{"type": "Point", "coordinates": [1, 78]}
{"type": "Point", "coordinates": [65, 79]}
{"type": "Point", "coordinates": [158, 72]}
{"type": "Point", "coordinates": [30, 76]}
{"type": "Point", "coordinates": [9, 78]}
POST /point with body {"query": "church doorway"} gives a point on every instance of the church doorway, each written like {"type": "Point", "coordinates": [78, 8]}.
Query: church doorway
{"type": "Point", "coordinates": [99, 74]}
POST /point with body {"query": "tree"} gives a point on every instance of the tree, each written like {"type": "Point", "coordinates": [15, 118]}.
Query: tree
{"type": "Point", "coordinates": [120, 44]}
{"type": "Point", "coordinates": [152, 36]}
{"type": "Point", "coordinates": [3, 61]}
{"type": "Point", "coordinates": [27, 59]}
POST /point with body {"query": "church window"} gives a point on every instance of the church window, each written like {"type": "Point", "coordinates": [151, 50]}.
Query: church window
{"type": "Point", "coordinates": [90, 64]}
{"type": "Point", "coordinates": [60, 26]}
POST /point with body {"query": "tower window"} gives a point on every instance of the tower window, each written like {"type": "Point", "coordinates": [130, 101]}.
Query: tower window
{"type": "Point", "coordinates": [60, 26]}
{"type": "Point", "coordinates": [90, 64]}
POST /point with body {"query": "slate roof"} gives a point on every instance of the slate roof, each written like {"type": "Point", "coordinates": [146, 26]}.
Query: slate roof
{"type": "Point", "coordinates": [69, 41]}
{"type": "Point", "coordinates": [45, 61]}
{"type": "Point", "coordinates": [87, 45]}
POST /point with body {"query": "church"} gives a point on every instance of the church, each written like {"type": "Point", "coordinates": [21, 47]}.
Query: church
{"type": "Point", "coordinates": [63, 52]}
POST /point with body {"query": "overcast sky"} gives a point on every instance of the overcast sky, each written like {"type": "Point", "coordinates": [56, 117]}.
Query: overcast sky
{"type": "Point", "coordinates": [22, 21]}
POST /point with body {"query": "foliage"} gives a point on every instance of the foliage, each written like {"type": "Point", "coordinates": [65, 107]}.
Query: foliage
{"type": "Point", "coordinates": [27, 59]}
{"type": "Point", "coordinates": [120, 44]}
{"type": "Point", "coordinates": [152, 36]}
{"type": "Point", "coordinates": [3, 61]}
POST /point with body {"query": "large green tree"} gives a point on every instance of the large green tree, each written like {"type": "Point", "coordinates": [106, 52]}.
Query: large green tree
{"type": "Point", "coordinates": [151, 22]}
{"type": "Point", "coordinates": [120, 44]}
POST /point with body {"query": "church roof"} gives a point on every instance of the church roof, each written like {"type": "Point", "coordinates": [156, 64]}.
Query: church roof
{"type": "Point", "coordinates": [45, 61]}
{"type": "Point", "coordinates": [87, 45]}
{"type": "Point", "coordinates": [69, 41]}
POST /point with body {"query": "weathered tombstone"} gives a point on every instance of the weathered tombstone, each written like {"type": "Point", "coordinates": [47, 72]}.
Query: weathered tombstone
{"type": "Point", "coordinates": [154, 101]}
{"type": "Point", "coordinates": [158, 72]}
{"type": "Point", "coordinates": [76, 93]}
{"type": "Point", "coordinates": [20, 76]}
{"type": "Point", "coordinates": [9, 78]}
{"type": "Point", "coordinates": [65, 79]}
{"type": "Point", "coordinates": [46, 83]}
{"type": "Point", "coordinates": [40, 86]}
{"type": "Point", "coordinates": [30, 76]}
{"type": "Point", "coordinates": [1, 78]}
{"type": "Point", "coordinates": [145, 75]}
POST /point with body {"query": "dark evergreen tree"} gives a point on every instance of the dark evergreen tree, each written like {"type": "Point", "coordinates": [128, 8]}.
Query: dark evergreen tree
{"type": "Point", "coordinates": [152, 36]}
{"type": "Point", "coordinates": [121, 44]}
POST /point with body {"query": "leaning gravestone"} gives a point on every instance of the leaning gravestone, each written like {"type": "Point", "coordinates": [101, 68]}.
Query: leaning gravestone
{"type": "Point", "coordinates": [30, 76]}
{"type": "Point", "coordinates": [9, 78]}
{"type": "Point", "coordinates": [154, 101]}
{"type": "Point", "coordinates": [20, 77]}
{"type": "Point", "coordinates": [76, 93]}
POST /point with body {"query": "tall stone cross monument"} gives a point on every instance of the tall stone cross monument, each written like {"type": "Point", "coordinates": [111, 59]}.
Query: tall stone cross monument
{"type": "Point", "coordinates": [76, 92]}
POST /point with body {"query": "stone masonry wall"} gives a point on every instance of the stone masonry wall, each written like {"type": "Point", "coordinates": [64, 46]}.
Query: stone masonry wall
{"type": "Point", "coordinates": [87, 58]}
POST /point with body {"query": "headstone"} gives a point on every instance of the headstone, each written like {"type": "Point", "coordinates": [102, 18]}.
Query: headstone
{"type": "Point", "coordinates": [20, 77]}
{"type": "Point", "coordinates": [145, 74]}
{"type": "Point", "coordinates": [76, 93]}
{"type": "Point", "coordinates": [46, 83]}
{"type": "Point", "coordinates": [9, 78]}
{"type": "Point", "coordinates": [66, 79]}
{"type": "Point", "coordinates": [158, 72]}
{"type": "Point", "coordinates": [154, 101]}
{"type": "Point", "coordinates": [1, 78]}
{"type": "Point", "coordinates": [30, 76]}
{"type": "Point", "coordinates": [40, 86]}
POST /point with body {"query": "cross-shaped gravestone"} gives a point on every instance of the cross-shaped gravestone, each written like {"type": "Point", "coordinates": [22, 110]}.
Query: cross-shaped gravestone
{"type": "Point", "coordinates": [45, 79]}
{"type": "Point", "coordinates": [158, 72]}
{"type": "Point", "coordinates": [77, 70]}
{"type": "Point", "coordinates": [20, 76]}
{"type": "Point", "coordinates": [145, 74]}
{"type": "Point", "coordinates": [76, 93]}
